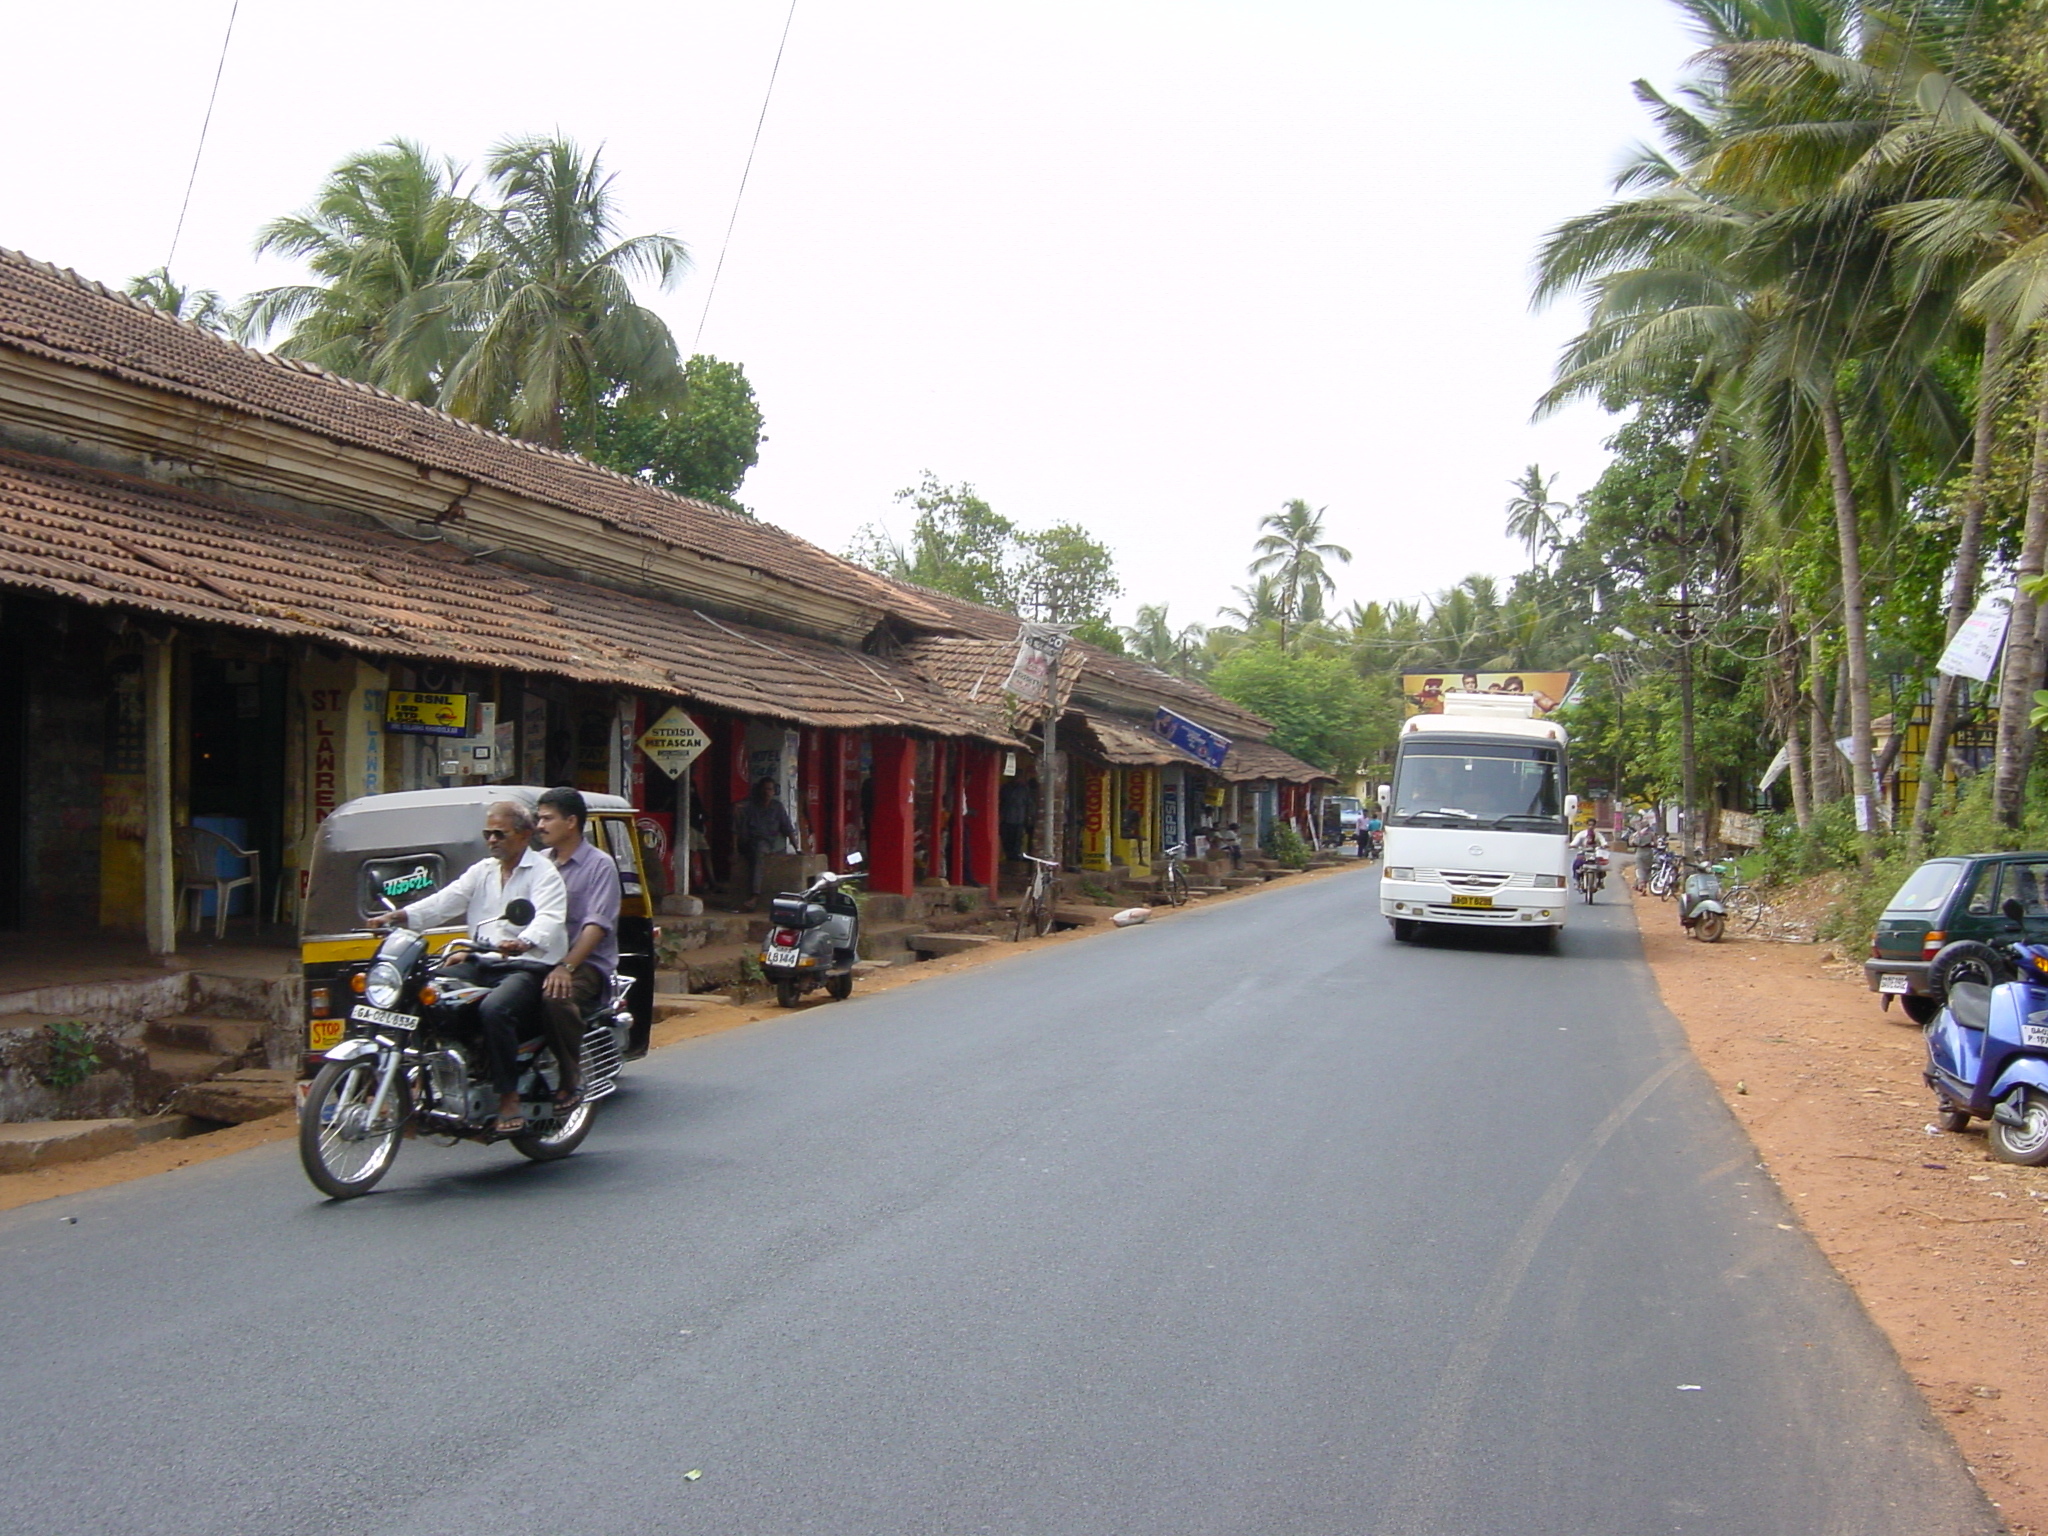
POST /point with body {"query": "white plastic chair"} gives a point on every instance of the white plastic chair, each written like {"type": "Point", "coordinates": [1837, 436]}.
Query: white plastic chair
{"type": "Point", "coordinates": [199, 858]}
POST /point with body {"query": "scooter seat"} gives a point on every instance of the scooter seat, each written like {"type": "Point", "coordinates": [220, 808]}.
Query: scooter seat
{"type": "Point", "coordinates": [1969, 1003]}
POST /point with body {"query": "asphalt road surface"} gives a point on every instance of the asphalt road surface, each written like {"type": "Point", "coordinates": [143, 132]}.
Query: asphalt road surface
{"type": "Point", "coordinates": [1246, 1221]}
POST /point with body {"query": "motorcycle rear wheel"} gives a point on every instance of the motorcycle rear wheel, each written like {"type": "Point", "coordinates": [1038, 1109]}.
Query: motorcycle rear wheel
{"type": "Point", "coordinates": [339, 1154]}
{"type": "Point", "coordinates": [545, 1140]}
{"type": "Point", "coordinates": [2025, 1144]}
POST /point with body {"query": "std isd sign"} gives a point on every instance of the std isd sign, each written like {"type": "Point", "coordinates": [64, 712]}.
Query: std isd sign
{"type": "Point", "coordinates": [426, 714]}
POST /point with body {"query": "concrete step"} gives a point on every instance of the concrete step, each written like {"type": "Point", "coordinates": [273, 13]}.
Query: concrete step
{"type": "Point", "coordinates": [27, 1145]}
{"type": "Point", "coordinates": [210, 1033]}
{"type": "Point", "coordinates": [1241, 882]}
{"type": "Point", "coordinates": [951, 943]}
{"type": "Point", "coordinates": [236, 1096]}
{"type": "Point", "coordinates": [177, 1064]}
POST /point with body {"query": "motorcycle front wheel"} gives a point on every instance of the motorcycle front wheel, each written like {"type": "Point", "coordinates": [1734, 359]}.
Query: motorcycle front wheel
{"type": "Point", "coordinates": [343, 1154]}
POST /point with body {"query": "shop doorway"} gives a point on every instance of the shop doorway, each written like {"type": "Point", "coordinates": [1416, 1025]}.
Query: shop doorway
{"type": "Point", "coordinates": [235, 767]}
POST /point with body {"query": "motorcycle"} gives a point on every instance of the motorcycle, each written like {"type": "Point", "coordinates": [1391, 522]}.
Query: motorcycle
{"type": "Point", "coordinates": [814, 938]}
{"type": "Point", "coordinates": [1589, 871]}
{"type": "Point", "coordinates": [1700, 909]}
{"type": "Point", "coordinates": [1987, 1047]}
{"type": "Point", "coordinates": [412, 1060]}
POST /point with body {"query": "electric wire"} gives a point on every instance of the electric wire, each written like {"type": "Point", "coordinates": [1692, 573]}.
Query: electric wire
{"type": "Point", "coordinates": [206, 122]}
{"type": "Point", "coordinates": [746, 171]}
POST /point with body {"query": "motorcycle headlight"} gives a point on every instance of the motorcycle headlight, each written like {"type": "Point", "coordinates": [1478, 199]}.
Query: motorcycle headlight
{"type": "Point", "coordinates": [384, 985]}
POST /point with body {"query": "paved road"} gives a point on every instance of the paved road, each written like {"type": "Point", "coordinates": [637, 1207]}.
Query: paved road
{"type": "Point", "coordinates": [1249, 1221]}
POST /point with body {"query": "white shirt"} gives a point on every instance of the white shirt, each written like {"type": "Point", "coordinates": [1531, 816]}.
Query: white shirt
{"type": "Point", "coordinates": [482, 893]}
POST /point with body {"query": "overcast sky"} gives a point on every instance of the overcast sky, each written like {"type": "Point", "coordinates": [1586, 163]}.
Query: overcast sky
{"type": "Point", "coordinates": [1150, 267]}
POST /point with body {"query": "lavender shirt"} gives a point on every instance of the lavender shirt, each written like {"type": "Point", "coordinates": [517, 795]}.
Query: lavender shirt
{"type": "Point", "coordinates": [592, 877]}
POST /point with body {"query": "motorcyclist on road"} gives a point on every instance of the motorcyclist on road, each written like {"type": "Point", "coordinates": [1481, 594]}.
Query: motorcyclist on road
{"type": "Point", "coordinates": [481, 893]}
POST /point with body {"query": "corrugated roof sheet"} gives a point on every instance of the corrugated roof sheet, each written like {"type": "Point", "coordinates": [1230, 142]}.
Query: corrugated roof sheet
{"type": "Point", "coordinates": [112, 540]}
{"type": "Point", "coordinates": [56, 314]}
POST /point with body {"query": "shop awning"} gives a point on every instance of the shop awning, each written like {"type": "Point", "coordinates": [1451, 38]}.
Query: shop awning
{"type": "Point", "coordinates": [1126, 744]}
{"type": "Point", "coordinates": [1253, 761]}
{"type": "Point", "coordinates": [117, 542]}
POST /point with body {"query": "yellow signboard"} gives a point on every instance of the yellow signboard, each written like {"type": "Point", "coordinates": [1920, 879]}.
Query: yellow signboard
{"type": "Point", "coordinates": [1424, 691]}
{"type": "Point", "coordinates": [674, 742]}
{"type": "Point", "coordinates": [426, 714]}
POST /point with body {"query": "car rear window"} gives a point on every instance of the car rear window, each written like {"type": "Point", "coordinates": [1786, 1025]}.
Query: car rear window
{"type": "Point", "coordinates": [1926, 888]}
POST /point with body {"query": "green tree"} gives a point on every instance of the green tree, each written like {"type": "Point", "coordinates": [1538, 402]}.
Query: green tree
{"type": "Point", "coordinates": [199, 306]}
{"type": "Point", "coordinates": [701, 447]}
{"type": "Point", "coordinates": [555, 332]}
{"type": "Point", "coordinates": [1321, 710]}
{"type": "Point", "coordinates": [388, 238]}
{"type": "Point", "coordinates": [1292, 551]}
{"type": "Point", "coordinates": [1533, 512]}
{"type": "Point", "coordinates": [1065, 577]}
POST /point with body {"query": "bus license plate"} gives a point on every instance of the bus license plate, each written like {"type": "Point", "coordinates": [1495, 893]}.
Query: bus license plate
{"type": "Point", "coordinates": [1472, 901]}
{"type": "Point", "coordinates": [1895, 983]}
{"type": "Point", "coordinates": [384, 1018]}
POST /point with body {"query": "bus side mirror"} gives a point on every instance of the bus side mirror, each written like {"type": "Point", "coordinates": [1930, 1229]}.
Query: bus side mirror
{"type": "Point", "coordinates": [1383, 794]}
{"type": "Point", "coordinates": [1571, 806]}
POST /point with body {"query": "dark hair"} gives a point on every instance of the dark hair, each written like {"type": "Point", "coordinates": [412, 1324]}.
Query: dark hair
{"type": "Point", "coordinates": [564, 801]}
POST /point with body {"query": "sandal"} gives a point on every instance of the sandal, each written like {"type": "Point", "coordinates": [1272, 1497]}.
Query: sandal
{"type": "Point", "coordinates": [568, 1098]}
{"type": "Point", "coordinates": [508, 1125]}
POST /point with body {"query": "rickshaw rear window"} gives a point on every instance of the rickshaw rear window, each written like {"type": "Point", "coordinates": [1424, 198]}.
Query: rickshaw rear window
{"type": "Point", "coordinates": [401, 881]}
{"type": "Point", "coordinates": [1926, 888]}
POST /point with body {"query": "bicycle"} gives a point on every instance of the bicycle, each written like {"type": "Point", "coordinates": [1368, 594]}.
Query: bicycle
{"type": "Point", "coordinates": [1175, 881]}
{"type": "Point", "coordinates": [1034, 912]}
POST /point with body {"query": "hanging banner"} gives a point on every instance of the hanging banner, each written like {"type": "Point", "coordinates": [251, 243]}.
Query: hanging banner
{"type": "Point", "coordinates": [1038, 657]}
{"type": "Point", "coordinates": [1973, 653]}
{"type": "Point", "coordinates": [1195, 740]}
{"type": "Point", "coordinates": [674, 742]}
{"type": "Point", "coordinates": [1775, 771]}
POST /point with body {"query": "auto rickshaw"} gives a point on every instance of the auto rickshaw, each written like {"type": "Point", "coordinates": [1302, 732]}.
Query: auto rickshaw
{"type": "Point", "coordinates": [399, 847]}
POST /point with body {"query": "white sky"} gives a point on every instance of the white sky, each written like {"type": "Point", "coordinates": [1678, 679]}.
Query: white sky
{"type": "Point", "coordinates": [1152, 267]}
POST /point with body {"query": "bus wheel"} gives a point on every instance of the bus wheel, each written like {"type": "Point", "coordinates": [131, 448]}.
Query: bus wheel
{"type": "Point", "coordinates": [1404, 929]}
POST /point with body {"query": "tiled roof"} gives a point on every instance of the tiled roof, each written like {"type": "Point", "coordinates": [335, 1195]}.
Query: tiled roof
{"type": "Point", "coordinates": [113, 541]}
{"type": "Point", "coordinates": [1129, 745]}
{"type": "Point", "coordinates": [56, 314]}
{"type": "Point", "coordinates": [1252, 760]}
{"type": "Point", "coordinates": [973, 670]}
{"type": "Point", "coordinates": [1200, 704]}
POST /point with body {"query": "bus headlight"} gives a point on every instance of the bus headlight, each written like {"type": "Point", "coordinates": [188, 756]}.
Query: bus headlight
{"type": "Point", "coordinates": [1396, 872]}
{"type": "Point", "coordinates": [1548, 882]}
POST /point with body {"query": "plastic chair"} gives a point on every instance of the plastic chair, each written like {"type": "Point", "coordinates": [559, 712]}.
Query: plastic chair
{"type": "Point", "coordinates": [199, 855]}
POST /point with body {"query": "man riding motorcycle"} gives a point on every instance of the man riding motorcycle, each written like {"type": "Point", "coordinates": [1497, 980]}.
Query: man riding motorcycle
{"type": "Point", "coordinates": [513, 1011]}
{"type": "Point", "coordinates": [584, 976]}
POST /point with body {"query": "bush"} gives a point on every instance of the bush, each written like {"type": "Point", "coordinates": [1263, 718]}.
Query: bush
{"type": "Point", "coordinates": [1288, 847]}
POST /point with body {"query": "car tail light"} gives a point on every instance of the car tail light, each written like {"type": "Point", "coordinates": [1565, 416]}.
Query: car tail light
{"type": "Point", "coordinates": [1930, 945]}
{"type": "Point", "coordinates": [785, 938]}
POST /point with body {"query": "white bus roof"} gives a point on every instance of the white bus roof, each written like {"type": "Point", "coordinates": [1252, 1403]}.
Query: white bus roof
{"type": "Point", "coordinates": [1504, 725]}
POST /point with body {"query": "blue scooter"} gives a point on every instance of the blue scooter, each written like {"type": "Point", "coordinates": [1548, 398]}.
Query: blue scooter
{"type": "Point", "coordinates": [1987, 1049]}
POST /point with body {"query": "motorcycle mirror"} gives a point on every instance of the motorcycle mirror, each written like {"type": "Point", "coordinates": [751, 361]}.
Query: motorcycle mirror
{"type": "Point", "coordinates": [519, 912]}
{"type": "Point", "coordinates": [854, 861]}
{"type": "Point", "coordinates": [2013, 910]}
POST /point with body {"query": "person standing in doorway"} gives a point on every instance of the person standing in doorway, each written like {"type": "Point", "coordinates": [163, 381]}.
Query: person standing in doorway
{"type": "Point", "coordinates": [1014, 808]}
{"type": "Point", "coordinates": [761, 826]}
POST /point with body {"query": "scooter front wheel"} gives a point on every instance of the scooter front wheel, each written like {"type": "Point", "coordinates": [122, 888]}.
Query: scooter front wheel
{"type": "Point", "coordinates": [2026, 1143]}
{"type": "Point", "coordinates": [788, 994]}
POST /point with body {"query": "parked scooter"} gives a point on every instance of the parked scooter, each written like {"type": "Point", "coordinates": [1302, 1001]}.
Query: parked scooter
{"type": "Point", "coordinates": [814, 938]}
{"type": "Point", "coordinates": [1987, 1049]}
{"type": "Point", "coordinates": [1701, 911]}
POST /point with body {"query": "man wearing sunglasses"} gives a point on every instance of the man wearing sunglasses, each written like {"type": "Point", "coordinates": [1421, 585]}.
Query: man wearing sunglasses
{"type": "Point", "coordinates": [514, 869]}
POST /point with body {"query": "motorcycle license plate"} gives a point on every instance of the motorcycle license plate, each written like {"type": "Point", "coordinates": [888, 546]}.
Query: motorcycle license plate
{"type": "Point", "coordinates": [383, 1018]}
{"type": "Point", "coordinates": [1895, 983]}
{"type": "Point", "coordinates": [1471, 901]}
{"type": "Point", "coordinates": [779, 957]}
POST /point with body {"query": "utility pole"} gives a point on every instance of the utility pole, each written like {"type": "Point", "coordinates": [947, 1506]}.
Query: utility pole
{"type": "Point", "coordinates": [1684, 631]}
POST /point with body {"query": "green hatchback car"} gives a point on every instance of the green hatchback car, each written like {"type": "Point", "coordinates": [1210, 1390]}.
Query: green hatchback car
{"type": "Point", "coordinates": [1945, 900]}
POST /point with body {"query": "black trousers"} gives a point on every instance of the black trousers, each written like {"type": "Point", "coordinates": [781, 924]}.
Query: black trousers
{"type": "Point", "coordinates": [510, 1014]}
{"type": "Point", "coordinates": [566, 1021]}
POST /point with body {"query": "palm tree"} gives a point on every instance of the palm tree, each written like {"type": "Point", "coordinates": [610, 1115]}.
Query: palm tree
{"type": "Point", "coordinates": [196, 306]}
{"type": "Point", "coordinates": [557, 331]}
{"type": "Point", "coordinates": [1291, 550]}
{"type": "Point", "coordinates": [1157, 643]}
{"type": "Point", "coordinates": [388, 237]}
{"type": "Point", "coordinates": [1533, 512]}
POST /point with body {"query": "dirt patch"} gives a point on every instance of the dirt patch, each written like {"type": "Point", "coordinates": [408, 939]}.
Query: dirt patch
{"type": "Point", "coordinates": [1945, 1248]}
{"type": "Point", "coordinates": [711, 1017]}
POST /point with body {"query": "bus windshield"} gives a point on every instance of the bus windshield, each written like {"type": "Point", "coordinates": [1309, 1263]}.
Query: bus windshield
{"type": "Point", "coordinates": [1500, 785]}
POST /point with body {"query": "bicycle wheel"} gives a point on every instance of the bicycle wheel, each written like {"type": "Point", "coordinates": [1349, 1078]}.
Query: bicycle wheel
{"type": "Point", "coordinates": [1177, 886]}
{"type": "Point", "coordinates": [1745, 907]}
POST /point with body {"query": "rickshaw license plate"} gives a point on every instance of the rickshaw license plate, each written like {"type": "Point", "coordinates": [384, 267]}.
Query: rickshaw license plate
{"type": "Point", "coordinates": [1471, 901]}
{"type": "Point", "coordinates": [383, 1018]}
{"type": "Point", "coordinates": [1894, 983]}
